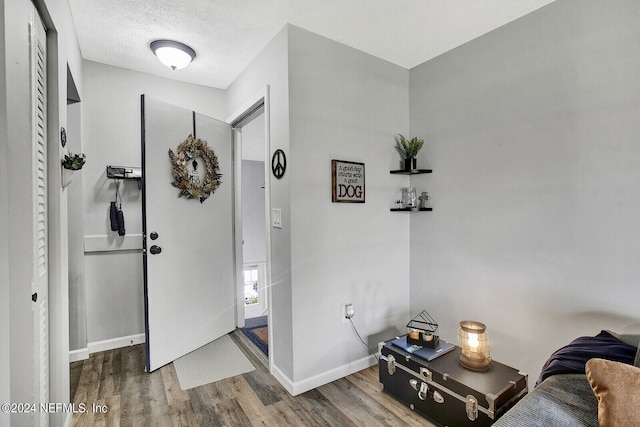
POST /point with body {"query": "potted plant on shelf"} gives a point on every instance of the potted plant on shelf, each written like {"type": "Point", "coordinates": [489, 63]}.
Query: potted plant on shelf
{"type": "Point", "coordinates": [409, 148]}
{"type": "Point", "coordinates": [70, 163]}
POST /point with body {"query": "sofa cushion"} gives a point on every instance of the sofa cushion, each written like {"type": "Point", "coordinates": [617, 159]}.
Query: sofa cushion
{"type": "Point", "coordinates": [615, 385]}
{"type": "Point", "coordinates": [561, 400]}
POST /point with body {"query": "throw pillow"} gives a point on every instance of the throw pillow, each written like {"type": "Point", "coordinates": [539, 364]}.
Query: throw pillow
{"type": "Point", "coordinates": [615, 385]}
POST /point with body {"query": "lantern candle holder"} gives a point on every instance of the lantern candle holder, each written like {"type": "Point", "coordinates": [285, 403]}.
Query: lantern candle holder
{"type": "Point", "coordinates": [474, 341]}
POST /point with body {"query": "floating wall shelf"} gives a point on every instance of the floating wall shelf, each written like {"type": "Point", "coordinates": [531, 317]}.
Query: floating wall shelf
{"type": "Point", "coordinates": [410, 171]}
{"type": "Point", "coordinates": [411, 209]}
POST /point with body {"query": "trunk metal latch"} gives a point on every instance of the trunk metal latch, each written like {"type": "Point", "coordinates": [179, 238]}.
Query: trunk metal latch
{"type": "Point", "coordinates": [422, 393]}
{"type": "Point", "coordinates": [391, 365]}
{"type": "Point", "coordinates": [472, 407]}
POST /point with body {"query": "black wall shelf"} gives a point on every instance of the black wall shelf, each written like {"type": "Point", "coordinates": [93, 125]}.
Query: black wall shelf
{"type": "Point", "coordinates": [411, 209]}
{"type": "Point", "coordinates": [410, 171]}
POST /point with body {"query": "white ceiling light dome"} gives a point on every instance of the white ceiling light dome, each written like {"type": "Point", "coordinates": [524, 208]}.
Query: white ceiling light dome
{"type": "Point", "coordinates": [173, 54]}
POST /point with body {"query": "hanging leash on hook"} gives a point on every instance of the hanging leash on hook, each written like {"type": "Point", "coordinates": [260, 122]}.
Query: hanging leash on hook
{"type": "Point", "coordinates": [115, 213]}
{"type": "Point", "coordinates": [113, 210]}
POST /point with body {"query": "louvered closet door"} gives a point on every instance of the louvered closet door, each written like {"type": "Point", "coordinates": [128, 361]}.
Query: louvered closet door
{"type": "Point", "coordinates": [40, 292]}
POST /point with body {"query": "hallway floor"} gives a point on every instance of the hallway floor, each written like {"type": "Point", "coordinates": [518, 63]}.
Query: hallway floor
{"type": "Point", "coordinates": [116, 379]}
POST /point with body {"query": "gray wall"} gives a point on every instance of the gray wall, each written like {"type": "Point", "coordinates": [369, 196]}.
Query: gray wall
{"type": "Point", "coordinates": [270, 68]}
{"type": "Point", "coordinates": [331, 101]}
{"type": "Point", "coordinates": [77, 297]}
{"type": "Point", "coordinates": [532, 132]}
{"type": "Point", "coordinates": [345, 105]}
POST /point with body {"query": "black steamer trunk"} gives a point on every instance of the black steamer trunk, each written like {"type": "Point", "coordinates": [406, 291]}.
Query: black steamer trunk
{"type": "Point", "coordinates": [447, 393]}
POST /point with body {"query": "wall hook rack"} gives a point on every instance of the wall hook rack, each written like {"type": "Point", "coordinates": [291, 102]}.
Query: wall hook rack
{"type": "Point", "coordinates": [125, 172]}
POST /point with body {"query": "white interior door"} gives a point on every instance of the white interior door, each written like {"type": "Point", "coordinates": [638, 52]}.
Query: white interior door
{"type": "Point", "coordinates": [189, 284]}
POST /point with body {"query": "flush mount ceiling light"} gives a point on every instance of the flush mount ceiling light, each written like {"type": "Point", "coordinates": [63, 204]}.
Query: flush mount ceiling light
{"type": "Point", "coordinates": [173, 54]}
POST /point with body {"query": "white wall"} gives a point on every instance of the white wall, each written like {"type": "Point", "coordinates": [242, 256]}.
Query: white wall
{"type": "Point", "coordinates": [345, 105]}
{"type": "Point", "coordinates": [532, 132]}
{"type": "Point", "coordinates": [111, 136]}
{"type": "Point", "coordinates": [270, 68]}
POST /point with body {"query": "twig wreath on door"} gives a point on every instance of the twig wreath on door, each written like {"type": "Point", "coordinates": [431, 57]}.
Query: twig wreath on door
{"type": "Point", "coordinates": [188, 174]}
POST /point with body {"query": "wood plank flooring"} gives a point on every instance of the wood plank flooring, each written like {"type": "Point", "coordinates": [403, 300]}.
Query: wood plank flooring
{"type": "Point", "coordinates": [116, 379]}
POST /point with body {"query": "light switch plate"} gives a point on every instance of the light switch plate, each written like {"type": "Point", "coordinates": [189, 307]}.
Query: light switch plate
{"type": "Point", "coordinates": [276, 218]}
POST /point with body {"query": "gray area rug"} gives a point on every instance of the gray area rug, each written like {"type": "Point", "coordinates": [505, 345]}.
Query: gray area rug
{"type": "Point", "coordinates": [213, 362]}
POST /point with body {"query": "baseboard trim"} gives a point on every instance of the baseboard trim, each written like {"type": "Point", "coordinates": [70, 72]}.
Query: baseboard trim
{"type": "Point", "coordinates": [299, 387]}
{"type": "Point", "coordinates": [282, 378]}
{"type": "Point", "coordinates": [113, 343]}
{"type": "Point", "coordinates": [77, 355]}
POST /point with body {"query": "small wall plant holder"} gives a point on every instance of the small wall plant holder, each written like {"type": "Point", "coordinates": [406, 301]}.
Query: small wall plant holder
{"type": "Point", "coordinates": [71, 163]}
{"type": "Point", "coordinates": [74, 162]}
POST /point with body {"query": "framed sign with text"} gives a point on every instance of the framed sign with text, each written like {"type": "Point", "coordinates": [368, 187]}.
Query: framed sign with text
{"type": "Point", "coordinates": [347, 182]}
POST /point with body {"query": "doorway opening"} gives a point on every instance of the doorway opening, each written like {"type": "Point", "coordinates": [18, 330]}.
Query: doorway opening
{"type": "Point", "coordinates": [251, 223]}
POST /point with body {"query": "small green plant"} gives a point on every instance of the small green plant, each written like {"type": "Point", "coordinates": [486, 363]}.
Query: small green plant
{"type": "Point", "coordinates": [74, 161]}
{"type": "Point", "coordinates": [409, 148]}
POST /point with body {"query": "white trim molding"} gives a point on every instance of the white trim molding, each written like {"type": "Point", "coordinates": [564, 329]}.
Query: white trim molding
{"type": "Point", "coordinates": [299, 387]}
{"type": "Point", "coordinates": [79, 354]}
{"type": "Point", "coordinates": [108, 243]}
{"type": "Point", "coordinates": [114, 343]}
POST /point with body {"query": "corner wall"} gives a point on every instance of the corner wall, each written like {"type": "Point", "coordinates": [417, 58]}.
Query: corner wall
{"type": "Point", "coordinates": [532, 132]}
{"type": "Point", "coordinates": [344, 105]}
{"type": "Point", "coordinates": [270, 69]}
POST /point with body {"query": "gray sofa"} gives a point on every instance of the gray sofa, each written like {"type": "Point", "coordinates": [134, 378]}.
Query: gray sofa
{"type": "Point", "coordinates": [562, 399]}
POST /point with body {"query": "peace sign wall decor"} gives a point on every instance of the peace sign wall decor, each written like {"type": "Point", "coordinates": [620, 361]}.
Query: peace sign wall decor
{"type": "Point", "coordinates": [278, 163]}
{"type": "Point", "coordinates": [347, 182]}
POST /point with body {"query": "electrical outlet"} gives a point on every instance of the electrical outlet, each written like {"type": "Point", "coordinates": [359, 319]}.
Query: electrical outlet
{"type": "Point", "coordinates": [349, 312]}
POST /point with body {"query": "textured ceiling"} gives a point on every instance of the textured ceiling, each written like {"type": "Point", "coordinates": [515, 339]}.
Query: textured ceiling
{"type": "Point", "coordinates": [228, 34]}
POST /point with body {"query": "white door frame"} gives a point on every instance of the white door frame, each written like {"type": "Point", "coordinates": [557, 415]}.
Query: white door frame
{"type": "Point", "coordinates": [260, 98]}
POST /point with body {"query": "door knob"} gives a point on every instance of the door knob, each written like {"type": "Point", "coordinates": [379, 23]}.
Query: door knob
{"type": "Point", "coordinates": [155, 250]}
